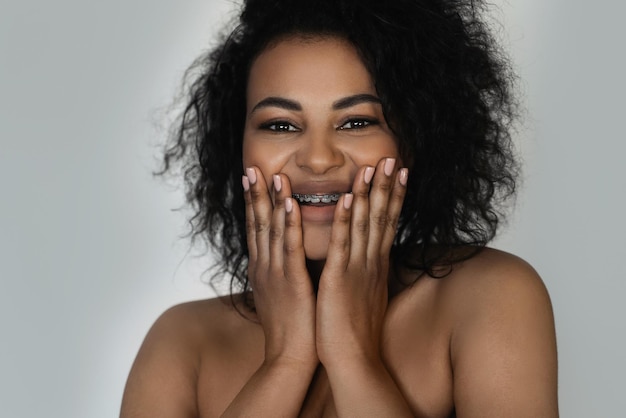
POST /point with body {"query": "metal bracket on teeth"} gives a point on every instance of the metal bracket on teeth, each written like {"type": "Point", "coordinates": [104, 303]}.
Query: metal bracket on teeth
{"type": "Point", "coordinates": [314, 198]}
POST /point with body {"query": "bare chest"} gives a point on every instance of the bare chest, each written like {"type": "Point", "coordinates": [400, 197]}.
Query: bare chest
{"type": "Point", "coordinates": [415, 347]}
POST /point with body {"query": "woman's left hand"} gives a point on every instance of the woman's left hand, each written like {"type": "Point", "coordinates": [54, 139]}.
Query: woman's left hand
{"type": "Point", "coordinates": [353, 294]}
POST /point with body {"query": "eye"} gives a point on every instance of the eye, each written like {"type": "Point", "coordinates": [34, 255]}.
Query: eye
{"type": "Point", "coordinates": [279, 126]}
{"type": "Point", "coordinates": [358, 123]}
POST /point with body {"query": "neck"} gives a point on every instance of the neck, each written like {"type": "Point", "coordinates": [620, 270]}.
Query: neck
{"type": "Point", "coordinates": [315, 268]}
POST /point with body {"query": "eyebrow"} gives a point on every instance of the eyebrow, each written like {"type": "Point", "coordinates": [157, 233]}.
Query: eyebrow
{"type": "Point", "coordinates": [340, 104]}
{"type": "Point", "coordinates": [277, 102]}
{"type": "Point", "coordinates": [350, 101]}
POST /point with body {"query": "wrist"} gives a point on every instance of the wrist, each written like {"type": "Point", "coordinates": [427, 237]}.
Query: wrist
{"type": "Point", "coordinates": [354, 356]}
{"type": "Point", "coordinates": [300, 361]}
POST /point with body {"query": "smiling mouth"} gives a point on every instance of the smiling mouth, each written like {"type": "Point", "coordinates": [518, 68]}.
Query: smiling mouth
{"type": "Point", "coordinates": [317, 199]}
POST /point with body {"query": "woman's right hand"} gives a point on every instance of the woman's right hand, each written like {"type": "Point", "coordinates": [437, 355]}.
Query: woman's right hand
{"type": "Point", "coordinates": [283, 293]}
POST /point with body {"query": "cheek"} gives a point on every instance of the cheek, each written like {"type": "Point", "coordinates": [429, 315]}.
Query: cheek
{"type": "Point", "coordinates": [371, 154]}
{"type": "Point", "coordinates": [267, 158]}
{"type": "Point", "coordinates": [247, 150]}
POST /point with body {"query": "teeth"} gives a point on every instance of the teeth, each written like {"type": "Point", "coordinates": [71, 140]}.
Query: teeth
{"type": "Point", "coordinates": [316, 198]}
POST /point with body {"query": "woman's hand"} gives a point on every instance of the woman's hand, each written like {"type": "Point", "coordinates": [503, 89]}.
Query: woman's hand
{"type": "Point", "coordinates": [343, 329]}
{"type": "Point", "coordinates": [353, 294]}
{"type": "Point", "coordinates": [283, 292]}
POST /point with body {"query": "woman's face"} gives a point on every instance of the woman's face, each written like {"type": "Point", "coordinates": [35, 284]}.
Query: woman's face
{"type": "Point", "coordinates": [314, 115]}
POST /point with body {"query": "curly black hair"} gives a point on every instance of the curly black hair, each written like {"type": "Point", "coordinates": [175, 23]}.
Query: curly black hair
{"type": "Point", "coordinates": [446, 91]}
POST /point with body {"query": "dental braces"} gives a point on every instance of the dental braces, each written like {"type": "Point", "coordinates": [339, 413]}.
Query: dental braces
{"type": "Point", "coordinates": [316, 198]}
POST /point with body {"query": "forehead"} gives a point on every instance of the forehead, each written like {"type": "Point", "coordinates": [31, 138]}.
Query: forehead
{"type": "Point", "coordinates": [316, 67]}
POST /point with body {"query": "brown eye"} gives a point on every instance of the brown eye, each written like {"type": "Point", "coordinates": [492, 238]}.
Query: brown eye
{"type": "Point", "coordinates": [360, 123]}
{"type": "Point", "coordinates": [279, 126]}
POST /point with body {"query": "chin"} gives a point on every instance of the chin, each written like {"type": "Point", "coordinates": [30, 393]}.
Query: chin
{"type": "Point", "coordinates": [315, 254]}
{"type": "Point", "coordinates": [316, 242]}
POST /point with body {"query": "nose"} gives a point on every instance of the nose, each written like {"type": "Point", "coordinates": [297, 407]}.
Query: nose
{"type": "Point", "coordinates": [319, 153]}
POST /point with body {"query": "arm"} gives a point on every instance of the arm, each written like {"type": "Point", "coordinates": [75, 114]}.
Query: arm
{"type": "Point", "coordinates": [284, 302]}
{"type": "Point", "coordinates": [352, 298]}
{"type": "Point", "coordinates": [503, 348]}
{"type": "Point", "coordinates": [277, 389]}
{"type": "Point", "coordinates": [162, 381]}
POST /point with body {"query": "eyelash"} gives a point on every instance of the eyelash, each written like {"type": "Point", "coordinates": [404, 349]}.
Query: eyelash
{"type": "Point", "coordinates": [285, 126]}
{"type": "Point", "coordinates": [275, 124]}
{"type": "Point", "coordinates": [362, 122]}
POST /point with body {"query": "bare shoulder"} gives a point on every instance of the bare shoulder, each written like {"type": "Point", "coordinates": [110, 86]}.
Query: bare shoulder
{"type": "Point", "coordinates": [193, 327]}
{"type": "Point", "coordinates": [489, 284]}
{"type": "Point", "coordinates": [502, 341]}
{"type": "Point", "coordinates": [164, 376]}
{"type": "Point", "coordinates": [496, 291]}
{"type": "Point", "coordinates": [495, 278]}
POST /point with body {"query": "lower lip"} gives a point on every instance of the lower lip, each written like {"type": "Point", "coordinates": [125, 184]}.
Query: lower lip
{"type": "Point", "coordinates": [324, 213]}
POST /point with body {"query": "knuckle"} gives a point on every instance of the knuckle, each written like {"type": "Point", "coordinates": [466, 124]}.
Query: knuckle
{"type": "Point", "coordinates": [361, 193]}
{"type": "Point", "coordinates": [290, 222]}
{"type": "Point", "coordinates": [276, 234]}
{"type": "Point", "coordinates": [385, 186]}
{"type": "Point", "coordinates": [343, 218]}
{"type": "Point", "coordinates": [398, 193]}
{"type": "Point", "coordinates": [362, 226]}
{"type": "Point", "coordinates": [340, 242]}
{"type": "Point", "coordinates": [255, 194]}
{"type": "Point", "coordinates": [261, 226]}
{"type": "Point", "coordinates": [250, 225]}
{"type": "Point", "coordinates": [380, 219]}
{"type": "Point", "coordinates": [292, 247]}
{"type": "Point", "coordinates": [392, 223]}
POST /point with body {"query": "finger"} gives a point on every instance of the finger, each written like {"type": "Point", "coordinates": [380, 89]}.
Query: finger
{"type": "Point", "coordinates": [394, 208]}
{"type": "Point", "coordinates": [277, 228]}
{"type": "Point", "coordinates": [293, 247]}
{"type": "Point", "coordinates": [379, 219]}
{"type": "Point", "coordinates": [262, 209]}
{"type": "Point", "coordinates": [250, 226]}
{"type": "Point", "coordinates": [359, 226]}
{"type": "Point", "coordinates": [339, 244]}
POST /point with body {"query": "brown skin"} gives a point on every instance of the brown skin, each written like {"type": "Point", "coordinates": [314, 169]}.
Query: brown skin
{"type": "Point", "coordinates": [480, 341]}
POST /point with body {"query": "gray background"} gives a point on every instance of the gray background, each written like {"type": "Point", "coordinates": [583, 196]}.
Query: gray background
{"type": "Point", "coordinates": [89, 247]}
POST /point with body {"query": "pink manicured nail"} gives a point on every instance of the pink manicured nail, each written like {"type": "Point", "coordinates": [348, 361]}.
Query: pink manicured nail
{"type": "Point", "coordinates": [288, 205]}
{"type": "Point", "coordinates": [245, 183]}
{"type": "Point", "coordinates": [369, 173]}
{"type": "Point", "coordinates": [251, 175]}
{"type": "Point", "coordinates": [404, 176]}
{"type": "Point", "coordinates": [277, 183]}
{"type": "Point", "coordinates": [347, 200]}
{"type": "Point", "coordinates": [389, 164]}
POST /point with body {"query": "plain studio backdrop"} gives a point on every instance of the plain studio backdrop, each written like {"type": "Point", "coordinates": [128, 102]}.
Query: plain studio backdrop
{"type": "Point", "coordinates": [90, 253]}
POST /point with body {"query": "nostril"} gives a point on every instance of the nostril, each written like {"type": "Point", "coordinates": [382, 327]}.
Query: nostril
{"type": "Point", "coordinates": [319, 159]}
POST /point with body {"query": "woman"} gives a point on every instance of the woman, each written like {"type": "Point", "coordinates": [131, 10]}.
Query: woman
{"type": "Point", "coordinates": [374, 148]}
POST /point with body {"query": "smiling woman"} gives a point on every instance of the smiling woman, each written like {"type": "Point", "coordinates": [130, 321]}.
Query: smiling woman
{"type": "Point", "coordinates": [316, 119]}
{"type": "Point", "coordinates": [347, 160]}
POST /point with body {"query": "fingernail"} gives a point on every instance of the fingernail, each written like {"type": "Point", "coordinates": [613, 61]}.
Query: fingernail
{"type": "Point", "coordinates": [369, 173]}
{"type": "Point", "coordinates": [347, 200]}
{"type": "Point", "coordinates": [389, 164]}
{"type": "Point", "coordinates": [277, 183]}
{"type": "Point", "coordinates": [404, 176]}
{"type": "Point", "coordinates": [251, 175]}
{"type": "Point", "coordinates": [245, 183]}
{"type": "Point", "coordinates": [288, 205]}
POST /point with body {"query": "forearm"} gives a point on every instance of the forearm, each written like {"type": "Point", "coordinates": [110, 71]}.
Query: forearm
{"type": "Point", "coordinates": [366, 389]}
{"type": "Point", "coordinates": [277, 389]}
